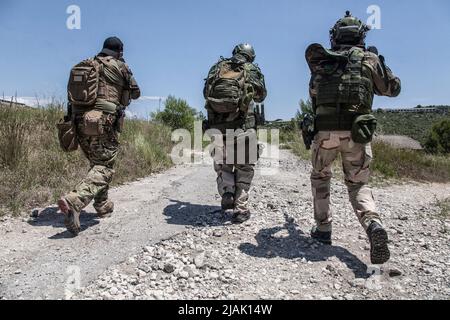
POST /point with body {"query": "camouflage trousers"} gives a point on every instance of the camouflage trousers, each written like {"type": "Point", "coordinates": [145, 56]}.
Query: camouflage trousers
{"type": "Point", "coordinates": [235, 179]}
{"type": "Point", "coordinates": [101, 151]}
{"type": "Point", "coordinates": [356, 159]}
{"type": "Point", "coordinates": [235, 172]}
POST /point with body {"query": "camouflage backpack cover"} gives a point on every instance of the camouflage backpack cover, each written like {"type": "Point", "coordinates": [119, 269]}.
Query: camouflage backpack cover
{"type": "Point", "coordinates": [84, 83]}
{"type": "Point", "coordinates": [341, 78]}
{"type": "Point", "coordinates": [226, 87]}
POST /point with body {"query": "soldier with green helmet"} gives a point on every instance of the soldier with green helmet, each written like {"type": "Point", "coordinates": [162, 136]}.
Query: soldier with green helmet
{"type": "Point", "coordinates": [343, 84]}
{"type": "Point", "coordinates": [231, 88]}
{"type": "Point", "coordinates": [99, 90]}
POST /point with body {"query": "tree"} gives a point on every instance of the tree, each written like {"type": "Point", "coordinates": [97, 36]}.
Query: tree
{"type": "Point", "coordinates": [438, 140]}
{"type": "Point", "coordinates": [305, 109]}
{"type": "Point", "coordinates": [177, 114]}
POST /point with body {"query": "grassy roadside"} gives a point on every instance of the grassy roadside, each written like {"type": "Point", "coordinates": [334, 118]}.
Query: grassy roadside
{"type": "Point", "coordinates": [388, 162]}
{"type": "Point", "coordinates": [35, 172]}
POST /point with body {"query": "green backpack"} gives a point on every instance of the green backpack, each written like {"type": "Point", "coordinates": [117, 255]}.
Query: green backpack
{"type": "Point", "coordinates": [227, 87]}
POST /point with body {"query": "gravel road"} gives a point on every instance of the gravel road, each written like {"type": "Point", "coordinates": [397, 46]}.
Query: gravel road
{"type": "Point", "coordinates": [169, 240]}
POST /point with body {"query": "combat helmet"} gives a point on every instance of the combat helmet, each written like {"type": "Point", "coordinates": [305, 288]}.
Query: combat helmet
{"type": "Point", "coordinates": [348, 31]}
{"type": "Point", "coordinates": [246, 50]}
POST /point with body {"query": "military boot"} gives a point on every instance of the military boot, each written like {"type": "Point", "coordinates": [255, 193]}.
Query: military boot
{"type": "Point", "coordinates": [321, 236]}
{"type": "Point", "coordinates": [104, 209]}
{"type": "Point", "coordinates": [241, 217]}
{"type": "Point", "coordinates": [379, 250]}
{"type": "Point", "coordinates": [71, 217]}
{"type": "Point", "coordinates": [228, 201]}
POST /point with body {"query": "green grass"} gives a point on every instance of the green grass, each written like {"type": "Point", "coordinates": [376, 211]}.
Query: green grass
{"type": "Point", "coordinates": [410, 164]}
{"type": "Point", "coordinates": [35, 172]}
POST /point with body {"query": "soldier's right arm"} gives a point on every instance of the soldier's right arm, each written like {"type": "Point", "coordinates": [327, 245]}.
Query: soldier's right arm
{"type": "Point", "coordinates": [385, 82]}
{"type": "Point", "coordinates": [135, 91]}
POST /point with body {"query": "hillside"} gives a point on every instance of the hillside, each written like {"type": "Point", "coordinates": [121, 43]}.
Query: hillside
{"type": "Point", "coordinates": [414, 125]}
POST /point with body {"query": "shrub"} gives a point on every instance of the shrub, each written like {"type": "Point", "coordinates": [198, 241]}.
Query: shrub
{"type": "Point", "coordinates": [177, 114]}
{"type": "Point", "coordinates": [438, 140]}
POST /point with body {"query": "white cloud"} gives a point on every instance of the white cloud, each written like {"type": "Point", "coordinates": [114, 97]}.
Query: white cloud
{"type": "Point", "coordinates": [152, 98]}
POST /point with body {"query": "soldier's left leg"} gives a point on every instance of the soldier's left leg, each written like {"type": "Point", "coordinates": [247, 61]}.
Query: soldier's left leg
{"type": "Point", "coordinates": [356, 162]}
{"type": "Point", "coordinates": [244, 177]}
{"type": "Point", "coordinates": [102, 153]}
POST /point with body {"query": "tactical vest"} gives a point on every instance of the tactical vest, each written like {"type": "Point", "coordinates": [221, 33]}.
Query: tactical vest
{"type": "Point", "coordinates": [111, 92]}
{"type": "Point", "coordinates": [348, 88]}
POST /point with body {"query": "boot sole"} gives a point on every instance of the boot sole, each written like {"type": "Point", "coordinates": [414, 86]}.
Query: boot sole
{"type": "Point", "coordinates": [70, 220]}
{"type": "Point", "coordinates": [240, 219]}
{"type": "Point", "coordinates": [379, 253]}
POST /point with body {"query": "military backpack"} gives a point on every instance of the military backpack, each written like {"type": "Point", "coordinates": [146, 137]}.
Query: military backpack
{"type": "Point", "coordinates": [84, 83]}
{"type": "Point", "coordinates": [227, 87]}
{"type": "Point", "coordinates": [341, 79]}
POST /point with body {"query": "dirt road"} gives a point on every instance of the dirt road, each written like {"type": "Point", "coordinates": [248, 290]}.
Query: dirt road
{"type": "Point", "coordinates": [169, 240]}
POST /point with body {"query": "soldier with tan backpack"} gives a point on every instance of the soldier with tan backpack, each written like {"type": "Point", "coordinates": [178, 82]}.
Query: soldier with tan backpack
{"type": "Point", "coordinates": [231, 88]}
{"type": "Point", "coordinates": [99, 90]}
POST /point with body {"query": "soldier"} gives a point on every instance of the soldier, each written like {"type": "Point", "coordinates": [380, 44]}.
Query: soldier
{"type": "Point", "coordinates": [99, 90]}
{"type": "Point", "coordinates": [231, 88]}
{"type": "Point", "coordinates": [344, 81]}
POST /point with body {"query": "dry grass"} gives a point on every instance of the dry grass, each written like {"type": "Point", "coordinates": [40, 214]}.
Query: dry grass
{"type": "Point", "coordinates": [35, 172]}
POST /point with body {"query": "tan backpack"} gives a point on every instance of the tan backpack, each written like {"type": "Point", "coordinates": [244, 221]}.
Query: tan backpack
{"type": "Point", "coordinates": [227, 88]}
{"type": "Point", "coordinates": [84, 83]}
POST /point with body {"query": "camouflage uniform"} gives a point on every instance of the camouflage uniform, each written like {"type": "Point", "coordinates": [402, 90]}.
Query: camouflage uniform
{"type": "Point", "coordinates": [101, 150]}
{"type": "Point", "coordinates": [233, 176]}
{"type": "Point", "coordinates": [356, 158]}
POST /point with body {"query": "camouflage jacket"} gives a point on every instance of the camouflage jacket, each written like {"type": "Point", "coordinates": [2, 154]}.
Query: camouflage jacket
{"type": "Point", "coordinates": [118, 77]}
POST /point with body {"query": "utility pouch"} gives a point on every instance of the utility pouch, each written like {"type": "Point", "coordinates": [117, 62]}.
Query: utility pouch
{"type": "Point", "coordinates": [67, 136]}
{"type": "Point", "coordinates": [364, 128]}
{"type": "Point", "coordinates": [92, 124]}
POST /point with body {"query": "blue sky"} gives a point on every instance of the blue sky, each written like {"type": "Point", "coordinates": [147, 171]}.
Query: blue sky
{"type": "Point", "coordinates": [170, 44]}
